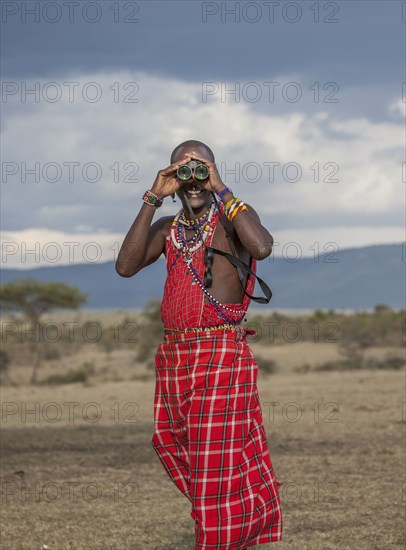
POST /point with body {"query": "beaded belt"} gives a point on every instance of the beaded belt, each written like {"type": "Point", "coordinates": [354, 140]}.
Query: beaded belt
{"type": "Point", "coordinates": [201, 329]}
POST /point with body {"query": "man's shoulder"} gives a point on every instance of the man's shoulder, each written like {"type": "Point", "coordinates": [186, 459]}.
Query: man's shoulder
{"type": "Point", "coordinates": [165, 223]}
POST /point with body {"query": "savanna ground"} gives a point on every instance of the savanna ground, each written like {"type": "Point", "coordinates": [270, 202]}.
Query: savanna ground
{"type": "Point", "coordinates": [85, 476]}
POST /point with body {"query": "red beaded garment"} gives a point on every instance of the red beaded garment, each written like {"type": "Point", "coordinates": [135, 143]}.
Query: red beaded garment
{"type": "Point", "coordinates": [183, 304]}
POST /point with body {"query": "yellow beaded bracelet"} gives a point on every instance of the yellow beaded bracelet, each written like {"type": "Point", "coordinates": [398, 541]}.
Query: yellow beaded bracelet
{"type": "Point", "coordinates": [237, 210]}
{"type": "Point", "coordinates": [231, 201]}
{"type": "Point", "coordinates": [233, 207]}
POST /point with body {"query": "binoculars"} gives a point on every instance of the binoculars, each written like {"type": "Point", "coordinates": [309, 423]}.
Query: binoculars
{"type": "Point", "coordinates": [200, 171]}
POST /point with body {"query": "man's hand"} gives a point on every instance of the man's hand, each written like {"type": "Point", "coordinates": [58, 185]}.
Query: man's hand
{"type": "Point", "coordinates": [213, 182]}
{"type": "Point", "coordinates": [166, 181]}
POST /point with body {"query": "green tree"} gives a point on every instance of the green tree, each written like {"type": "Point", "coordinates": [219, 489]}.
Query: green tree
{"type": "Point", "coordinates": [32, 298]}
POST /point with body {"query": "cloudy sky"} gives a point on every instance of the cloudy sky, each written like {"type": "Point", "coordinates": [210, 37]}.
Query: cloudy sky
{"type": "Point", "coordinates": [301, 103]}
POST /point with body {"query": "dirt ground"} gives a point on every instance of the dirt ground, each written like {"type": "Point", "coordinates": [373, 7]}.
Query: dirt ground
{"type": "Point", "coordinates": [79, 471]}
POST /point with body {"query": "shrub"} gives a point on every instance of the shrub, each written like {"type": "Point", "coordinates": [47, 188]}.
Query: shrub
{"type": "Point", "coordinates": [88, 367]}
{"type": "Point", "coordinates": [52, 352]}
{"type": "Point", "coordinates": [151, 333]}
{"type": "Point", "coordinates": [70, 377]}
{"type": "Point", "coordinates": [4, 364]}
{"type": "Point", "coordinates": [389, 363]}
{"type": "Point", "coordinates": [267, 366]}
{"type": "Point", "coordinates": [4, 360]}
{"type": "Point", "coordinates": [333, 365]}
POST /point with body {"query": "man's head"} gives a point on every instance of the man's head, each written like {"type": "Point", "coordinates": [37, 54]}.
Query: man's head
{"type": "Point", "coordinates": [189, 146]}
{"type": "Point", "coordinates": [202, 200]}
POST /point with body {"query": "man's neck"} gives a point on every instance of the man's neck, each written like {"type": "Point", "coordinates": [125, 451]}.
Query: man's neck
{"type": "Point", "coordinates": [197, 212]}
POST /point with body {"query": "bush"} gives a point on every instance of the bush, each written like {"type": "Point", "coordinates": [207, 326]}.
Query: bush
{"type": "Point", "coordinates": [382, 327]}
{"type": "Point", "coordinates": [320, 315]}
{"type": "Point", "coordinates": [396, 363]}
{"type": "Point", "coordinates": [303, 369]}
{"type": "Point", "coordinates": [333, 365]}
{"type": "Point", "coordinates": [352, 352]}
{"type": "Point", "coordinates": [267, 366]}
{"type": "Point", "coordinates": [4, 364]}
{"type": "Point", "coordinates": [389, 363]}
{"type": "Point", "coordinates": [151, 333]}
{"type": "Point", "coordinates": [52, 352]}
{"type": "Point", "coordinates": [4, 360]}
{"type": "Point", "coordinates": [88, 367]}
{"type": "Point", "coordinates": [72, 376]}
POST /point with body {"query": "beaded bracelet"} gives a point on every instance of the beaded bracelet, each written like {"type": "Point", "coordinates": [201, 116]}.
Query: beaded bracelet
{"type": "Point", "coordinates": [233, 207]}
{"type": "Point", "coordinates": [230, 202]}
{"type": "Point", "coordinates": [151, 199]}
{"type": "Point", "coordinates": [240, 208]}
{"type": "Point", "coordinates": [224, 192]}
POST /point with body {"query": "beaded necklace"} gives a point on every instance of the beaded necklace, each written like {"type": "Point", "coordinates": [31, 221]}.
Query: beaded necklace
{"type": "Point", "coordinates": [182, 243]}
{"type": "Point", "coordinates": [181, 232]}
{"type": "Point", "coordinates": [191, 223]}
{"type": "Point", "coordinates": [216, 304]}
{"type": "Point", "coordinates": [187, 249]}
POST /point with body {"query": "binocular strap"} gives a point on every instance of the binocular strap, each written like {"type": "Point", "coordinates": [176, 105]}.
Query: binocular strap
{"type": "Point", "coordinates": [239, 264]}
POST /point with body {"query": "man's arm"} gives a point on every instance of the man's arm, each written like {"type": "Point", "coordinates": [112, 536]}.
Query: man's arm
{"type": "Point", "coordinates": [247, 229]}
{"type": "Point", "coordinates": [252, 234]}
{"type": "Point", "coordinates": [143, 244]}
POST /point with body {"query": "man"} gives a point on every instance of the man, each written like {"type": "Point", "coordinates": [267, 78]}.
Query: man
{"type": "Point", "coordinates": [209, 432]}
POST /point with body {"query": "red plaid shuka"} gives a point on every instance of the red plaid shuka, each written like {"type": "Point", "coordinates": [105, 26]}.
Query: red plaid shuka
{"type": "Point", "coordinates": [210, 438]}
{"type": "Point", "coordinates": [209, 432]}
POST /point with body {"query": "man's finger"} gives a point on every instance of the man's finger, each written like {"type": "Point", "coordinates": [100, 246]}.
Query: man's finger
{"type": "Point", "coordinates": [175, 165]}
{"type": "Point", "coordinates": [185, 160]}
{"type": "Point", "coordinates": [202, 159]}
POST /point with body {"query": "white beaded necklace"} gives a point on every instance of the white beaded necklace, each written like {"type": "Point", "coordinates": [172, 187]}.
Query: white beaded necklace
{"type": "Point", "coordinates": [207, 230]}
{"type": "Point", "coordinates": [188, 251]}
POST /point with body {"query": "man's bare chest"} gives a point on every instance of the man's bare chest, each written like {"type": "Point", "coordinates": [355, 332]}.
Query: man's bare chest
{"type": "Point", "coordinates": [219, 239]}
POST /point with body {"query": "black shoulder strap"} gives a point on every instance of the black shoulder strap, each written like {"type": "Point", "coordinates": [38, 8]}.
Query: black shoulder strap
{"type": "Point", "coordinates": [240, 265]}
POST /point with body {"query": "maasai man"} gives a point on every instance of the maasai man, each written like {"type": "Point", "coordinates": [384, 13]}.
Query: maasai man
{"type": "Point", "coordinates": [209, 433]}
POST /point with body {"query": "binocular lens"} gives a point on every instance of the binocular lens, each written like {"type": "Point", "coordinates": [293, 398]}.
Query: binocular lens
{"type": "Point", "coordinates": [184, 172]}
{"type": "Point", "coordinates": [201, 172]}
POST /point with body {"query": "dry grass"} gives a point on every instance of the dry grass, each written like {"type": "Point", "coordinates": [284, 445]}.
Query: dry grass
{"type": "Point", "coordinates": [333, 434]}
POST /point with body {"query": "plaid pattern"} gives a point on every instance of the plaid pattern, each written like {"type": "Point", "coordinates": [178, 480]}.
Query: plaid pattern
{"type": "Point", "coordinates": [210, 438]}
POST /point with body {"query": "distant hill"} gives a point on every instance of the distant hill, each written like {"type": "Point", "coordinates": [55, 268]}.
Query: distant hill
{"type": "Point", "coordinates": [359, 279]}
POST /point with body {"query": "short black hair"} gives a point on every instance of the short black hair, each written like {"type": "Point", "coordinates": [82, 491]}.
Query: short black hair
{"type": "Point", "coordinates": [193, 143]}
